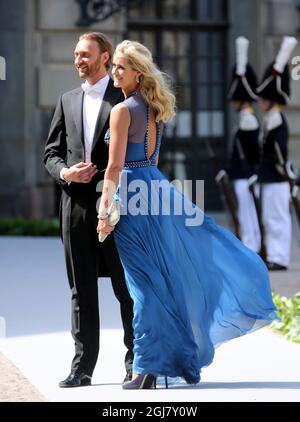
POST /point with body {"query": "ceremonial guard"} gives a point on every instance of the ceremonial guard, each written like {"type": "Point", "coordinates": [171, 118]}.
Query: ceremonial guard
{"type": "Point", "coordinates": [275, 189]}
{"type": "Point", "coordinates": [245, 152]}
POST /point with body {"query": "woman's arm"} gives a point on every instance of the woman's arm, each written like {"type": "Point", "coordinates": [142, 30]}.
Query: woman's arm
{"type": "Point", "coordinates": [119, 124]}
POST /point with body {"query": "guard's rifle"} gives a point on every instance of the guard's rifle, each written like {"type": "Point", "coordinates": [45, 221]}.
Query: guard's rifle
{"type": "Point", "coordinates": [227, 193]}
{"type": "Point", "coordinates": [257, 203]}
{"type": "Point", "coordinates": [286, 169]}
{"type": "Point", "coordinates": [222, 180]}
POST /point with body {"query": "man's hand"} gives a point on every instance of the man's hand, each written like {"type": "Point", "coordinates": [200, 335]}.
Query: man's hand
{"type": "Point", "coordinates": [80, 173]}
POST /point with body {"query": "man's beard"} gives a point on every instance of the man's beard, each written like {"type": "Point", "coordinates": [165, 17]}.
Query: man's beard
{"type": "Point", "coordinates": [90, 71]}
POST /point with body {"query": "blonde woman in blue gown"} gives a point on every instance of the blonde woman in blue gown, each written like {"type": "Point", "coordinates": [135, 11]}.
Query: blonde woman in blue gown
{"type": "Point", "coordinates": [194, 286]}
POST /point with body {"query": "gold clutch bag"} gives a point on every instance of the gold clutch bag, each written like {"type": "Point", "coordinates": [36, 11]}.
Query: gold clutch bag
{"type": "Point", "coordinates": [113, 215]}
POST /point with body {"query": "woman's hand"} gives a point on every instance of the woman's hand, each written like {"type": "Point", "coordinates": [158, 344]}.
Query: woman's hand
{"type": "Point", "coordinates": [104, 227]}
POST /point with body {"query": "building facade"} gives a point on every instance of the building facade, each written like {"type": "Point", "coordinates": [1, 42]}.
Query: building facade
{"type": "Point", "coordinates": [192, 40]}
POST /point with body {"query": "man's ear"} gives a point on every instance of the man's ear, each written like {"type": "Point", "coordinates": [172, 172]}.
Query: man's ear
{"type": "Point", "coordinates": [105, 57]}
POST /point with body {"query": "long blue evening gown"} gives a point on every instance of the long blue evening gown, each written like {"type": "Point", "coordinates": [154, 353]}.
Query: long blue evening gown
{"type": "Point", "coordinates": [193, 287]}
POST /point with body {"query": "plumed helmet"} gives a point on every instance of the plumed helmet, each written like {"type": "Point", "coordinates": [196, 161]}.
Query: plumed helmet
{"type": "Point", "coordinates": [244, 80]}
{"type": "Point", "coordinates": [275, 83]}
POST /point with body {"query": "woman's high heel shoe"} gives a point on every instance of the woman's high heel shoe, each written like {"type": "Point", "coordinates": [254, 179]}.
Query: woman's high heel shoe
{"type": "Point", "coordinates": [141, 382]}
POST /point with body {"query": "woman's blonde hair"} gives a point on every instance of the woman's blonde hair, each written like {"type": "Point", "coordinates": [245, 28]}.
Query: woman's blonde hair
{"type": "Point", "coordinates": [154, 85]}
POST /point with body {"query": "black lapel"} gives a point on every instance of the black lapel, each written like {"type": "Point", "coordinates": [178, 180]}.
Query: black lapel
{"type": "Point", "coordinates": [77, 104]}
{"type": "Point", "coordinates": [111, 97]}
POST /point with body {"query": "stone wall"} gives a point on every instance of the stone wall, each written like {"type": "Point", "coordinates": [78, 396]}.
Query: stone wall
{"type": "Point", "coordinates": [11, 105]}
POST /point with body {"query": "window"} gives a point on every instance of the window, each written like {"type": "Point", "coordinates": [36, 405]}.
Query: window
{"type": "Point", "coordinates": [188, 41]}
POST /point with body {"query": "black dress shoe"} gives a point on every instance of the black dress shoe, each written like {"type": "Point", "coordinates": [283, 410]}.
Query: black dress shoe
{"type": "Point", "coordinates": [128, 377]}
{"type": "Point", "coordinates": [77, 378]}
{"type": "Point", "coordinates": [272, 266]}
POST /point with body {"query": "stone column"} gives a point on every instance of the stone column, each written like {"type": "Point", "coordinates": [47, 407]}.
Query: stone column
{"type": "Point", "coordinates": [12, 107]}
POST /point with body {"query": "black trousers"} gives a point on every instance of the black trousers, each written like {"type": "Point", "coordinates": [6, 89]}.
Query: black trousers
{"type": "Point", "coordinates": [86, 260]}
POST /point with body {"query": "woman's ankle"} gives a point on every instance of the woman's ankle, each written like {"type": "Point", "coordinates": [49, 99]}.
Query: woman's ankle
{"type": "Point", "coordinates": [134, 375]}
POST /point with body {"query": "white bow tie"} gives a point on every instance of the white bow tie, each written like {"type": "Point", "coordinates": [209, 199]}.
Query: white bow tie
{"type": "Point", "coordinates": [87, 88]}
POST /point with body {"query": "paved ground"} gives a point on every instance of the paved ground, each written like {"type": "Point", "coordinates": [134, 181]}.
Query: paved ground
{"type": "Point", "coordinates": [14, 387]}
{"type": "Point", "coordinates": [35, 303]}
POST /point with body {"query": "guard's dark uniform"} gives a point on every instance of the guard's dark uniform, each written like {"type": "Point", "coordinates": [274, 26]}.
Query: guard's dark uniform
{"type": "Point", "coordinates": [247, 135]}
{"type": "Point", "coordinates": [275, 130]}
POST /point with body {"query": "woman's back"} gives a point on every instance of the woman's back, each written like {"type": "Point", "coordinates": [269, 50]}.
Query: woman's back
{"type": "Point", "coordinates": [138, 132]}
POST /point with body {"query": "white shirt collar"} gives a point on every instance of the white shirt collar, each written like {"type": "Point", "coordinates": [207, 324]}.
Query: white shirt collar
{"type": "Point", "coordinates": [99, 87]}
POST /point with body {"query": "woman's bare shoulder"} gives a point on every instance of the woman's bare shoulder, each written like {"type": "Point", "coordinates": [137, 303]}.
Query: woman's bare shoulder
{"type": "Point", "coordinates": [120, 113]}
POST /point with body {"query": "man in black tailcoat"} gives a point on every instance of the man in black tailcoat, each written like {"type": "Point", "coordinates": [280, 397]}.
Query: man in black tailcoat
{"type": "Point", "coordinates": [75, 156]}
